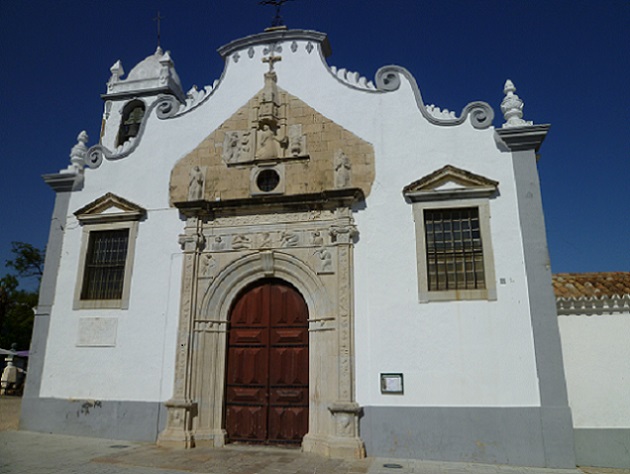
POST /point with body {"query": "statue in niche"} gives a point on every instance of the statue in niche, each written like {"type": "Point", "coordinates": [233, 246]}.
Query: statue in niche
{"type": "Point", "coordinates": [195, 184]}
{"type": "Point", "coordinates": [240, 242]}
{"type": "Point", "coordinates": [268, 144]}
{"type": "Point", "coordinates": [208, 264]}
{"type": "Point", "coordinates": [290, 238]}
{"type": "Point", "coordinates": [342, 170]}
{"type": "Point", "coordinates": [325, 260]}
{"type": "Point", "coordinates": [218, 244]}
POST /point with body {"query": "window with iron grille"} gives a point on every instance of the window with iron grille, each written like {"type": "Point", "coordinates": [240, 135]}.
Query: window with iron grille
{"type": "Point", "coordinates": [104, 272]}
{"type": "Point", "coordinates": [454, 251]}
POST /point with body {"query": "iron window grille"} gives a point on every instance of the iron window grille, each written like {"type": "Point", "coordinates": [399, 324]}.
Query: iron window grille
{"type": "Point", "coordinates": [105, 265]}
{"type": "Point", "coordinates": [454, 249]}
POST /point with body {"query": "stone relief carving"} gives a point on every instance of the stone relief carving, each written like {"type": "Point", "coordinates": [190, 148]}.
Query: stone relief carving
{"type": "Point", "coordinates": [265, 240]}
{"type": "Point", "coordinates": [236, 147]}
{"type": "Point", "coordinates": [257, 219]}
{"type": "Point", "coordinates": [196, 181]}
{"type": "Point", "coordinates": [343, 234]}
{"type": "Point", "coordinates": [268, 137]}
{"type": "Point", "coordinates": [218, 244]}
{"type": "Point", "coordinates": [342, 170]}
{"type": "Point", "coordinates": [290, 238]}
{"type": "Point", "coordinates": [317, 239]}
{"type": "Point", "coordinates": [268, 145]}
{"type": "Point", "coordinates": [324, 261]}
{"type": "Point", "coordinates": [241, 242]}
{"type": "Point", "coordinates": [208, 265]}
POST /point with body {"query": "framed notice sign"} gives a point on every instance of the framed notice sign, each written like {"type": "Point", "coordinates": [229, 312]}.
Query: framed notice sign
{"type": "Point", "coordinates": [392, 383]}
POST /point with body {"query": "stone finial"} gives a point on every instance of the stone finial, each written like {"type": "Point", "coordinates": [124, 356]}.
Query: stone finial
{"type": "Point", "coordinates": [77, 155]}
{"type": "Point", "coordinates": [512, 107]}
{"type": "Point", "coordinates": [117, 72]}
{"type": "Point", "coordinates": [166, 64]}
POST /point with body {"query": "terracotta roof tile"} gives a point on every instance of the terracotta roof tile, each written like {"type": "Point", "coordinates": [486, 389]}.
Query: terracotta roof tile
{"type": "Point", "coordinates": [574, 285]}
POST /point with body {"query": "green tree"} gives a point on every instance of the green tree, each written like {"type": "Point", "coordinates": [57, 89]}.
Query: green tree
{"type": "Point", "coordinates": [28, 261]}
{"type": "Point", "coordinates": [16, 305]}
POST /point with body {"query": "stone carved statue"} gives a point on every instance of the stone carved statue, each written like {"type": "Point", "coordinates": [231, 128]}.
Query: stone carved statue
{"type": "Point", "coordinates": [342, 170]}
{"type": "Point", "coordinates": [296, 140]}
{"type": "Point", "coordinates": [195, 184]}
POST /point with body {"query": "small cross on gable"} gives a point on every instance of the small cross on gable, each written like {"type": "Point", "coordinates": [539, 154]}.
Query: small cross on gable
{"type": "Point", "coordinates": [271, 60]}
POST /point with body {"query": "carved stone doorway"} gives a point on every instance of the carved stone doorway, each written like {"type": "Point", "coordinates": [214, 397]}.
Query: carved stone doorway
{"type": "Point", "coordinates": [267, 375]}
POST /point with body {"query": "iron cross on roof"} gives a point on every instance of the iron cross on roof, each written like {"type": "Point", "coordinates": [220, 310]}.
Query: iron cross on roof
{"type": "Point", "coordinates": [277, 21]}
{"type": "Point", "coordinates": [158, 19]}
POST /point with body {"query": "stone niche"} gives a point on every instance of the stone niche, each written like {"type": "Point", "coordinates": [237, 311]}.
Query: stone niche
{"type": "Point", "coordinates": [306, 151]}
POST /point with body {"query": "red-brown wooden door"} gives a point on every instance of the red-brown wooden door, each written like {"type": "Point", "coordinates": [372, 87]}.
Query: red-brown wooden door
{"type": "Point", "coordinates": [267, 366]}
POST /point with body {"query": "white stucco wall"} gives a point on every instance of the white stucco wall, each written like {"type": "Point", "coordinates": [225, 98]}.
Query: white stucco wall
{"type": "Point", "coordinates": [596, 353]}
{"type": "Point", "coordinates": [470, 353]}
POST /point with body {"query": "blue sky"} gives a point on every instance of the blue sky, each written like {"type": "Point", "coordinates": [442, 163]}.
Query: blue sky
{"type": "Point", "coordinates": [570, 61]}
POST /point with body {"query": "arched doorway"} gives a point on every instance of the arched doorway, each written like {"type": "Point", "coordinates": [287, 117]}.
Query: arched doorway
{"type": "Point", "coordinates": [267, 396]}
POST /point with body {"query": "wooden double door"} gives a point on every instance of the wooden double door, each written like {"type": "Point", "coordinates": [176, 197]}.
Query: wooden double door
{"type": "Point", "coordinates": [267, 366]}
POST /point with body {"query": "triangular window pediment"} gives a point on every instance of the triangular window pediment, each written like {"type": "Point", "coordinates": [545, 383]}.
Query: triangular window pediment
{"type": "Point", "coordinates": [110, 208]}
{"type": "Point", "coordinates": [450, 182]}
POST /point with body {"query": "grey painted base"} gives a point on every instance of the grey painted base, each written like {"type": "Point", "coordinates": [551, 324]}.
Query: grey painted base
{"type": "Point", "coordinates": [132, 421]}
{"type": "Point", "coordinates": [489, 435]}
{"type": "Point", "coordinates": [603, 447]}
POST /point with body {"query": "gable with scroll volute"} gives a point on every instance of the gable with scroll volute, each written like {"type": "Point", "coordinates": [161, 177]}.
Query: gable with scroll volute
{"type": "Point", "coordinates": [312, 171]}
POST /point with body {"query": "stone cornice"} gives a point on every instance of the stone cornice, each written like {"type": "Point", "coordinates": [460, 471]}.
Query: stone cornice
{"type": "Point", "coordinates": [274, 37]}
{"type": "Point", "coordinates": [324, 200]}
{"type": "Point", "coordinates": [63, 182]}
{"type": "Point", "coordinates": [528, 137]}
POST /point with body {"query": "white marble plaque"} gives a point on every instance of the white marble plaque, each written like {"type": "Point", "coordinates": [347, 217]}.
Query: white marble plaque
{"type": "Point", "coordinates": [97, 332]}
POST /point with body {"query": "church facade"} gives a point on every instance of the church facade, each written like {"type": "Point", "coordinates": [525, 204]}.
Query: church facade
{"type": "Point", "coordinates": [297, 255]}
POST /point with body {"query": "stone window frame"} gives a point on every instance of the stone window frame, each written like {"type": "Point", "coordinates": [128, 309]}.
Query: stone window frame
{"type": "Point", "coordinates": [125, 216]}
{"type": "Point", "coordinates": [469, 191]}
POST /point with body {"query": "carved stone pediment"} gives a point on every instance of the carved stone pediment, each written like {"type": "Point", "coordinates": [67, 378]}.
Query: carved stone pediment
{"type": "Point", "coordinates": [450, 182]}
{"type": "Point", "coordinates": [276, 144]}
{"type": "Point", "coordinates": [110, 208]}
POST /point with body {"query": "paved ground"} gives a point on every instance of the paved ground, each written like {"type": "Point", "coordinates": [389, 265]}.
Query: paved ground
{"type": "Point", "coordinates": [36, 453]}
